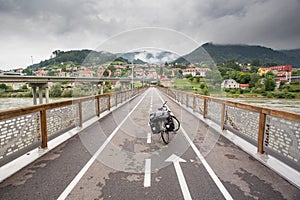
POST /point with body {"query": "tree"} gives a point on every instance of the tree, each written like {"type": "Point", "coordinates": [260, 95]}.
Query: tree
{"type": "Point", "coordinates": [255, 62]}
{"type": "Point", "coordinates": [243, 77]}
{"type": "Point", "coordinates": [3, 86]}
{"type": "Point", "coordinates": [55, 90]}
{"type": "Point", "coordinates": [270, 83]}
{"type": "Point", "coordinates": [105, 73]}
{"type": "Point", "coordinates": [254, 78]}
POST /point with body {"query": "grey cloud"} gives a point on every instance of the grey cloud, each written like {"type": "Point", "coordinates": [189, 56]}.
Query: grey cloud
{"type": "Point", "coordinates": [75, 24]}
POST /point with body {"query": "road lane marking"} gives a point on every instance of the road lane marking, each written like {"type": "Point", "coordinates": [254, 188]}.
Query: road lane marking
{"type": "Point", "coordinates": [184, 188]}
{"type": "Point", "coordinates": [212, 174]}
{"type": "Point", "coordinates": [147, 177]}
{"type": "Point", "coordinates": [149, 138]}
{"type": "Point", "coordinates": [74, 182]}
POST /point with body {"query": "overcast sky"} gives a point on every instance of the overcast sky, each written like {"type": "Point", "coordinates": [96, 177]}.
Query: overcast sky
{"type": "Point", "coordinates": [33, 29]}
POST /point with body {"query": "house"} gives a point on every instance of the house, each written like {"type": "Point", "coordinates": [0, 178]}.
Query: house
{"type": "Point", "coordinates": [41, 73]}
{"type": "Point", "coordinates": [279, 71]}
{"type": "Point", "coordinates": [230, 83]}
{"type": "Point", "coordinates": [244, 86]}
{"type": "Point", "coordinates": [195, 71]}
{"type": "Point", "coordinates": [61, 74]}
{"type": "Point", "coordinates": [86, 73]}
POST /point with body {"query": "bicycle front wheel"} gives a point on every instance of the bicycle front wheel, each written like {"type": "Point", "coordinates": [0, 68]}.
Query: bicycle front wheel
{"type": "Point", "coordinates": [165, 137]}
{"type": "Point", "coordinates": [176, 123]}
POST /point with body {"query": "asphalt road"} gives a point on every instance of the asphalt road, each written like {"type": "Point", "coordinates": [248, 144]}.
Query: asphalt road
{"type": "Point", "coordinates": [119, 158]}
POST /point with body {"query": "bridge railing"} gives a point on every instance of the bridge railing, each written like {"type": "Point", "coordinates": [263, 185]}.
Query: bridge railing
{"type": "Point", "coordinates": [272, 131]}
{"type": "Point", "coordinates": [24, 129]}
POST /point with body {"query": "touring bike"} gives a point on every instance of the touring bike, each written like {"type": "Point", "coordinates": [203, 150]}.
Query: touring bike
{"type": "Point", "coordinates": [164, 122]}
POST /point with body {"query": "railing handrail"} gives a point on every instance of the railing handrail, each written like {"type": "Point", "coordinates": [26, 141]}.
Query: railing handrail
{"type": "Point", "coordinates": [266, 110]}
{"type": "Point", "coordinates": [15, 112]}
{"type": "Point", "coordinates": [265, 124]}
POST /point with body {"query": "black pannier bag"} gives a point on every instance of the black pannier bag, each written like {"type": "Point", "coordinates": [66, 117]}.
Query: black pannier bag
{"type": "Point", "coordinates": [158, 121]}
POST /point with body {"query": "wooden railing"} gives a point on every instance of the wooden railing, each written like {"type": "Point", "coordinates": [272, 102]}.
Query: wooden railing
{"type": "Point", "coordinates": [24, 129]}
{"type": "Point", "coordinates": [272, 131]}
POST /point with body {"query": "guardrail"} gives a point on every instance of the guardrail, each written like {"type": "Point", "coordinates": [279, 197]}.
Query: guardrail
{"type": "Point", "coordinates": [272, 131]}
{"type": "Point", "coordinates": [24, 129]}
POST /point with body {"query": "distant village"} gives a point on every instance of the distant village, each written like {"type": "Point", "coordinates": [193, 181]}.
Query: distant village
{"type": "Point", "coordinates": [163, 72]}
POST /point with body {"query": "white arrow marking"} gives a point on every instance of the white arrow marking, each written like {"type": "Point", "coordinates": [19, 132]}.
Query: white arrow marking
{"type": "Point", "coordinates": [184, 188]}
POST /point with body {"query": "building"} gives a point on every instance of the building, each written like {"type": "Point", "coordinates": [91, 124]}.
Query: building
{"type": "Point", "coordinates": [195, 71]}
{"type": "Point", "coordinates": [230, 83]}
{"type": "Point", "coordinates": [279, 71]}
{"type": "Point", "coordinates": [86, 73]}
{"type": "Point", "coordinates": [244, 86]}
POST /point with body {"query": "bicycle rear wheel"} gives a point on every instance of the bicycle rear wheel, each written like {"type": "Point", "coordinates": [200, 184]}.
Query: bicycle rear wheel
{"type": "Point", "coordinates": [165, 137]}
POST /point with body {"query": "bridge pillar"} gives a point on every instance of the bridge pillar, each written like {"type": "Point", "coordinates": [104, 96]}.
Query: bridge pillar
{"type": "Point", "coordinates": [34, 95]}
{"type": "Point", "coordinates": [124, 85]}
{"type": "Point", "coordinates": [40, 87]}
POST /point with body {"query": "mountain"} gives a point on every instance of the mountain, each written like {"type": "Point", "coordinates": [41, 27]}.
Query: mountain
{"type": "Point", "coordinates": [293, 54]}
{"type": "Point", "coordinates": [242, 54]}
{"type": "Point", "coordinates": [149, 56]}
{"type": "Point", "coordinates": [83, 57]}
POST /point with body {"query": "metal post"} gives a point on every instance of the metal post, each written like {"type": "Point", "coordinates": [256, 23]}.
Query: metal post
{"type": "Point", "coordinates": [47, 94]}
{"type": "Point", "coordinates": [222, 116]}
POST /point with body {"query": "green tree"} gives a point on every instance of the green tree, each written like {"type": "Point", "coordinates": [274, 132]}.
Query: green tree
{"type": "Point", "coordinates": [3, 86]}
{"type": "Point", "coordinates": [55, 90]}
{"type": "Point", "coordinates": [243, 77]}
{"type": "Point", "coordinates": [254, 78]}
{"type": "Point", "coordinates": [270, 83]}
{"type": "Point", "coordinates": [255, 62]}
{"type": "Point", "coordinates": [105, 73]}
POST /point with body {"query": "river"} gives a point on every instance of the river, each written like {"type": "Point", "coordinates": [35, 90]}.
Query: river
{"type": "Point", "coordinates": [282, 104]}
{"type": "Point", "coordinates": [10, 103]}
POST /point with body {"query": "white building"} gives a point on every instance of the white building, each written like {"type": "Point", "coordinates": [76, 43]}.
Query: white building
{"type": "Point", "coordinates": [195, 71]}
{"type": "Point", "coordinates": [230, 83]}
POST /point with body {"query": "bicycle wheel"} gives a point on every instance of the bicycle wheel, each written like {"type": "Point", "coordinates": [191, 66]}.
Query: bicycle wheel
{"type": "Point", "coordinates": [165, 137]}
{"type": "Point", "coordinates": [176, 123]}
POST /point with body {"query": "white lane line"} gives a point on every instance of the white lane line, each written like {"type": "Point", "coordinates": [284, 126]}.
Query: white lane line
{"type": "Point", "coordinates": [149, 138]}
{"type": "Point", "coordinates": [184, 188]}
{"type": "Point", "coordinates": [212, 174]}
{"type": "Point", "coordinates": [74, 182]}
{"type": "Point", "coordinates": [147, 178]}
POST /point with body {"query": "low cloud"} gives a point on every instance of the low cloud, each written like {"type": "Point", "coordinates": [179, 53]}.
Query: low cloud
{"type": "Point", "coordinates": [36, 28]}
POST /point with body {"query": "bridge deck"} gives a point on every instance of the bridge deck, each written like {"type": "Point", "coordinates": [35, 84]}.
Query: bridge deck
{"type": "Point", "coordinates": [116, 158]}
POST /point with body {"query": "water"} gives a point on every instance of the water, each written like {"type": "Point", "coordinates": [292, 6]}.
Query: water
{"type": "Point", "coordinates": [282, 104]}
{"type": "Point", "coordinates": [11, 103]}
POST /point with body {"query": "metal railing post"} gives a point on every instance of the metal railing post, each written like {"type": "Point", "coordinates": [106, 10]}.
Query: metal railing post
{"type": "Point", "coordinates": [98, 106]}
{"type": "Point", "coordinates": [204, 107]}
{"type": "Point", "coordinates": [80, 113]}
{"type": "Point", "coordinates": [108, 102]}
{"type": "Point", "coordinates": [222, 116]}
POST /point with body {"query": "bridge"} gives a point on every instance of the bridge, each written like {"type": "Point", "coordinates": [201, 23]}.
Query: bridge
{"type": "Point", "coordinates": [40, 82]}
{"type": "Point", "coordinates": [101, 147]}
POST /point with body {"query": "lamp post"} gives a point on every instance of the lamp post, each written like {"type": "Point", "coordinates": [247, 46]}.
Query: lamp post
{"type": "Point", "coordinates": [132, 75]}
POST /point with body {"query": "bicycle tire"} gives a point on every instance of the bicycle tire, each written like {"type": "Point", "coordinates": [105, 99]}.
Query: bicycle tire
{"type": "Point", "coordinates": [165, 137]}
{"type": "Point", "coordinates": [175, 121]}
